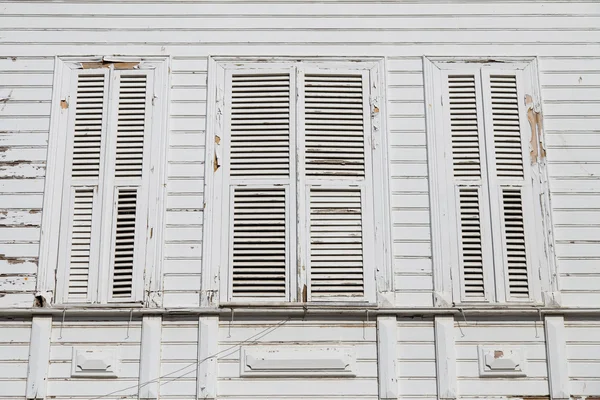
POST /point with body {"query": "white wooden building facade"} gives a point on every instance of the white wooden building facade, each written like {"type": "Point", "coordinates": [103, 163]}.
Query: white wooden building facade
{"type": "Point", "coordinates": [299, 200]}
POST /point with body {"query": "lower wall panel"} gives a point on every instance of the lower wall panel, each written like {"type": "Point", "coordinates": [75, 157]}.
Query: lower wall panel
{"type": "Point", "coordinates": [309, 334]}
{"type": "Point", "coordinates": [583, 353]}
{"type": "Point", "coordinates": [14, 351]}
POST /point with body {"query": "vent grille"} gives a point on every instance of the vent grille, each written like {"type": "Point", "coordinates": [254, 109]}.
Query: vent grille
{"type": "Point", "coordinates": [81, 239]}
{"type": "Point", "coordinates": [464, 126]}
{"type": "Point", "coordinates": [336, 243]}
{"type": "Point", "coordinates": [514, 233]}
{"type": "Point", "coordinates": [89, 117]}
{"type": "Point", "coordinates": [125, 224]}
{"type": "Point", "coordinates": [507, 129]}
{"type": "Point", "coordinates": [131, 119]}
{"type": "Point", "coordinates": [471, 242]}
{"type": "Point", "coordinates": [334, 125]}
{"type": "Point", "coordinates": [259, 243]}
{"type": "Point", "coordinates": [260, 125]}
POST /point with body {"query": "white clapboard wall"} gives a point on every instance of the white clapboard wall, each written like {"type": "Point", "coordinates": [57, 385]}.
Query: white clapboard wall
{"type": "Point", "coordinates": [563, 35]}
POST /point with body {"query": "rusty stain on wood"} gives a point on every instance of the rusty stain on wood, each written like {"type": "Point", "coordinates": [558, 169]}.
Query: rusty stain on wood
{"type": "Point", "coordinates": [108, 64]}
{"type": "Point", "coordinates": [498, 353]}
{"type": "Point", "coordinates": [217, 139]}
{"type": "Point", "coordinates": [63, 104]}
{"type": "Point", "coordinates": [216, 163]}
{"type": "Point", "coordinates": [534, 116]}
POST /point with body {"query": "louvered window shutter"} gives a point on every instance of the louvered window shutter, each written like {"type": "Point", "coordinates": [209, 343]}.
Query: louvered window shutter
{"type": "Point", "coordinates": [84, 173]}
{"type": "Point", "coordinates": [130, 125]}
{"type": "Point", "coordinates": [334, 134]}
{"type": "Point", "coordinates": [465, 125]}
{"type": "Point", "coordinates": [511, 196]}
{"type": "Point", "coordinates": [106, 184]}
{"type": "Point", "coordinates": [260, 167]}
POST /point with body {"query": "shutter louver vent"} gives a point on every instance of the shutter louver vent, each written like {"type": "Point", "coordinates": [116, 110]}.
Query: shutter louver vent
{"type": "Point", "coordinates": [334, 125]}
{"type": "Point", "coordinates": [259, 243]}
{"type": "Point", "coordinates": [336, 243]}
{"type": "Point", "coordinates": [506, 126]}
{"type": "Point", "coordinates": [464, 126]}
{"type": "Point", "coordinates": [131, 117]}
{"type": "Point", "coordinates": [81, 237]}
{"type": "Point", "coordinates": [471, 242]}
{"type": "Point", "coordinates": [514, 233]}
{"type": "Point", "coordinates": [260, 125]}
{"type": "Point", "coordinates": [124, 242]}
{"type": "Point", "coordinates": [87, 134]}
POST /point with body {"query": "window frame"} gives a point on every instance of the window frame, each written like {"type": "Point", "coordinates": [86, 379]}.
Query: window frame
{"type": "Point", "coordinates": [147, 282]}
{"type": "Point", "coordinates": [447, 281]}
{"type": "Point", "coordinates": [215, 287]}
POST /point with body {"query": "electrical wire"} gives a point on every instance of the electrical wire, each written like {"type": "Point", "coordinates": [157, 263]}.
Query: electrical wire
{"type": "Point", "coordinates": [251, 339]}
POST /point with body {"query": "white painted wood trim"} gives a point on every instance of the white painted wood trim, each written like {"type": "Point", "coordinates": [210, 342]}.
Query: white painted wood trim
{"type": "Point", "coordinates": [556, 351]}
{"type": "Point", "coordinates": [208, 345]}
{"type": "Point", "coordinates": [387, 344]}
{"type": "Point", "coordinates": [442, 279]}
{"type": "Point", "coordinates": [209, 294]}
{"type": "Point", "coordinates": [50, 226]}
{"type": "Point", "coordinates": [39, 357]}
{"type": "Point", "coordinates": [150, 357]}
{"type": "Point", "coordinates": [445, 354]}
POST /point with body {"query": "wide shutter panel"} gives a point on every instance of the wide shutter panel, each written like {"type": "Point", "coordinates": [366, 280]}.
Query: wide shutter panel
{"type": "Point", "coordinates": [260, 171]}
{"type": "Point", "coordinates": [335, 133]}
{"type": "Point", "coordinates": [336, 242]}
{"type": "Point", "coordinates": [87, 135]}
{"type": "Point", "coordinates": [130, 132]}
{"type": "Point", "coordinates": [259, 243]}
{"type": "Point", "coordinates": [468, 154]}
{"type": "Point", "coordinates": [334, 129]}
{"type": "Point", "coordinates": [507, 177]}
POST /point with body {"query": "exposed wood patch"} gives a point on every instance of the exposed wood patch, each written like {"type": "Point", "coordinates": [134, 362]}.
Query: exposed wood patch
{"type": "Point", "coordinates": [534, 116]}
{"type": "Point", "coordinates": [16, 260]}
{"type": "Point", "coordinates": [109, 64]}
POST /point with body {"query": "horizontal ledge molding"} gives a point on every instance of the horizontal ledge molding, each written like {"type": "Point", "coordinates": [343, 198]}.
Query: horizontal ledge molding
{"type": "Point", "coordinates": [300, 311]}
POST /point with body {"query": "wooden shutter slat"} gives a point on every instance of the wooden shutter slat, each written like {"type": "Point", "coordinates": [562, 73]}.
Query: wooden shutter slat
{"type": "Point", "coordinates": [87, 128]}
{"type": "Point", "coordinates": [259, 251]}
{"type": "Point", "coordinates": [81, 242]}
{"type": "Point", "coordinates": [131, 121]}
{"type": "Point", "coordinates": [336, 243]}
{"type": "Point", "coordinates": [124, 242]}
{"type": "Point", "coordinates": [506, 126]}
{"type": "Point", "coordinates": [260, 125]}
{"type": "Point", "coordinates": [464, 126]}
{"type": "Point", "coordinates": [471, 242]}
{"type": "Point", "coordinates": [514, 235]}
{"type": "Point", "coordinates": [333, 111]}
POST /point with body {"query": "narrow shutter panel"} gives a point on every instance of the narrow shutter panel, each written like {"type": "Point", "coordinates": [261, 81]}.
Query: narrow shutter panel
{"type": "Point", "coordinates": [507, 177]}
{"type": "Point", "coordinates": [336, 131]}
{"type": "Point", "coordinates": [87, 138]}
{"type": "Point", "coordinates": [260, 177]}
{"type": "Point", "coordinates": [130, 132]}
{"type": "Point", "coordinates": [466, 145]}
